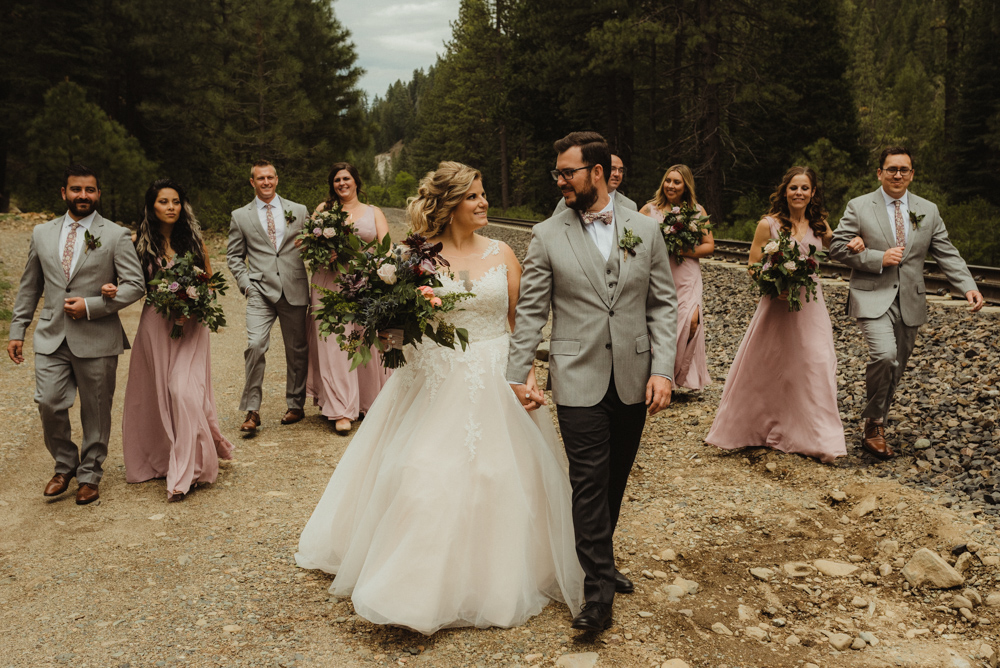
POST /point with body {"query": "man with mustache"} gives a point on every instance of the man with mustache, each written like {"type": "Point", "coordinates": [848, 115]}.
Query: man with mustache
{"type": "Point", "coordinates": [615, 178]}
{"type": "Point", "coordinates": [79, 335]}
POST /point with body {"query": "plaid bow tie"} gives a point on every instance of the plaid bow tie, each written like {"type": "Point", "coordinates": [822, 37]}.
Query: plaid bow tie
{"type": "Point", "coordinates": [603, 216]}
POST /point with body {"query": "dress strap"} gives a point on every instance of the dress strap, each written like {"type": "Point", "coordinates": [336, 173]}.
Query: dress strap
{"type": "Point", "coordinates": [492, 249]}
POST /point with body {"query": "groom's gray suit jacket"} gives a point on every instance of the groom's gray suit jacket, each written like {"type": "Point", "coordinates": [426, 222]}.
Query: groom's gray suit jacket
{"type": "Point", "coordinates": [272, 271]}
{"type": "Point", "coordinates": [630, 328]}
{"type": "Point", "coordinates": [115, 261]}
{"type": "Point", "coordinates": [874, 287]}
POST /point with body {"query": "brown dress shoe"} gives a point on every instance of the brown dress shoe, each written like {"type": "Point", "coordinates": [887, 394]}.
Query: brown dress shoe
{"type": "Point", "coordinates": [86, 493]}
{"type": "Point", "coordinates": [252, 422]}
{"type": "Point", "coordinates": [58, 484]}
{"type": "Point", "coordinates": [874, 441]}
{"type": "Point", "coordinates": [293, 415]}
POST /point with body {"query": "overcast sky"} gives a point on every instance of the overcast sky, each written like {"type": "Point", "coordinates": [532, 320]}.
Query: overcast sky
{"type": "Point", "coordinates": [394, 37]}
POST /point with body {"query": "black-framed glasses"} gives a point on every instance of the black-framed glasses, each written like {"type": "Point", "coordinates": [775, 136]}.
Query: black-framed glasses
{"type": "Point", "coordinates": [567, 173]}
{"type": "Point", "coordinates": [903, 171]}
{"type": "Point", "coordinates": [618, 170]}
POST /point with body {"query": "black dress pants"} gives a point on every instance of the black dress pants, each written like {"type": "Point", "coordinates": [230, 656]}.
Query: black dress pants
{"type": "Point", "coordinates": [601, 443]}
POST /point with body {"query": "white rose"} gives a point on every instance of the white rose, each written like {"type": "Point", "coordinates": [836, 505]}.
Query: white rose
{"type": "Point", "coordinates": [790, 266]}
{"type": "Point", "coordinates": [771, 247]}
{"type": "Point", "coordinates": [693, 226]}
{"type": "Point", "coordinates": [329, 232]}
{"type": "Point", "coordinates": [192, 292]}
{"type": "Point", "coordinates": [387, 272]}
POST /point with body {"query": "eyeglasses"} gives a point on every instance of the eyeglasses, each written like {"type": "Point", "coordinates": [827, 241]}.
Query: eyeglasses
{"type": "Point", "coordinates": [618, 170]}
{"type": "Point", "coordinates": [567, 173]}
{"type": "Point", "coordinates": [902, 171]}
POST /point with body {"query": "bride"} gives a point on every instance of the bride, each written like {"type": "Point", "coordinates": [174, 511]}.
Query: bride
{"type": "Point", "coordinates": [451, 507]}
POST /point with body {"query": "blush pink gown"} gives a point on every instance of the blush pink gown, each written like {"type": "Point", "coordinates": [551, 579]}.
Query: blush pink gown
{"type": "Point", "coordinates": [781, 391]}
{"type": "Point", "coordinates": [339, 392]}
{"type": "Point", "coordinates": [170, 427]}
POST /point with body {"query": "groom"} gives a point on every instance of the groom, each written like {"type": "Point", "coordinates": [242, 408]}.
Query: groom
{"type": "Point", "coordinates": [603, 270]}
{"type": "Point", "coordinates": [884, 237]}
{"type": "Point", "coordinates": [79, 335]}
{"type": "Point", "coordinates": [269, 272]}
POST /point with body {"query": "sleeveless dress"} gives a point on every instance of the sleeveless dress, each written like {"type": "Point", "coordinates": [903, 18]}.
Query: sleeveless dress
{"type": "Point", "coordinates": [781, 390]}
{"type": "Point", "coordinates": [170, 426]}
{"type": "Point", "coordinates": [339, 392]}
{"type": "Point", "coordinates": [450, 506]}
{"type": "Point", "coordinates": [691, 362]}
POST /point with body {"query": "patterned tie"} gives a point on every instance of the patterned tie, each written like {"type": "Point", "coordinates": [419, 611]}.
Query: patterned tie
{"type": "Point", "coordinates": [67, 256]}
{"type": "Point", "coordinates": [603, 216]}
{"type": "Point", "coordinates": [900, 228]}
{"type": "Point", "coordinates": [270, 226]}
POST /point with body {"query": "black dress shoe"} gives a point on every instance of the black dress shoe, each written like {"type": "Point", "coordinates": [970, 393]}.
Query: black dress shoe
{"type": "Point", "coordinates": [622, 584]}
{"type": "Point", "coordinates": [593, 617]}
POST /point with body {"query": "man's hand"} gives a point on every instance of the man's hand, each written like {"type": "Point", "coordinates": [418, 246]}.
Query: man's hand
{"type": "Point", "coordinates": [976, 300]}
{"type": "Point", "coordinates": [530, 399]}
{"type": "Point", "coordinates": [75, 307]}
{"type": "Point", "coordinates": [856, 245]}
{"type": "Point", "coordinates": [15, 350]}
{"type": "Point", "coordinates": [892, 257]}
{"type": "Point", "coordinates": [658, 391]}
{"type": "Point", "coordinates": [109, 290]}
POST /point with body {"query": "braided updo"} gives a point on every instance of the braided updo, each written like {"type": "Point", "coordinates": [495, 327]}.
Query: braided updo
{"type": "Point", "coordinates": [439, 194]}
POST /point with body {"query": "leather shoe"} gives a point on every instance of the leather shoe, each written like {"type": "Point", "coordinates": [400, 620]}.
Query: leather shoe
{"type": "Point", "coordinates": [874, 441]}
{"type": "Point", "coordinates": [594, 617]}
{"type": "Point", "coordinates": [293, 415]}
{"type": "Point", "coordinates": [622, 584]}
{"type": "Point", "coordinates": [86, 493]}
{"type": "Point", "coordinates": [251, 423]}
{"type": "Point", "coordinates": [58, 484]}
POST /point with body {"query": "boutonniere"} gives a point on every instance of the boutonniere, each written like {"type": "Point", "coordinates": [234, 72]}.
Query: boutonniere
{"type": "Point", "coordinates": [628, 242]}
{"type": "Point", "coordinates": [915, 219]}
{"type": "Point", "coordinates": [289, 217]}
{"type": "Point", "coordinates": [93, 243]}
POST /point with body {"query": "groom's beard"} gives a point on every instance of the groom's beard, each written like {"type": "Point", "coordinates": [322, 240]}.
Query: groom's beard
{"type": "Point", "coordinates": [81, 208]}
{"type": "Point", "coordinates": [584, 199]}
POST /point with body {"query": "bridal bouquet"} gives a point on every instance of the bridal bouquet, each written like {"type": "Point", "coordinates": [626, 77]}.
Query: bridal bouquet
{"type": "Point", "coordinates": [682, 229]}
{"type": "Point", "coordinates": [328, 241]}
{"type": "Point", "coordinates": [182, 289]}
{"type": "Point", "coordinates": [783, 270]}
{"type": "Point", "coordinates": [387, 288]}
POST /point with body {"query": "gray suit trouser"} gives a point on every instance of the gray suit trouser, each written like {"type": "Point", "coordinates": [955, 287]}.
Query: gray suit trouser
{"type": "Point", "coordinates": [261, 315]}
{"type": "Point", "coordinates": [57, 378]}
{"type": "Point", "coordinates": [890, 342]}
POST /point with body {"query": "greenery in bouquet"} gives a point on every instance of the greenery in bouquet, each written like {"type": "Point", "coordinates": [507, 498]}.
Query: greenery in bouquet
{"type": "Point", "coordinates": [683, 227]}
{"type": "Point", "coordinates": [328, 241]}
{"type": "Point", "coordinates": [782, 270]}
{"type": "Point", "coordinates": [391, 288]}
{"type": "Point", "coordinates": [182, 289]}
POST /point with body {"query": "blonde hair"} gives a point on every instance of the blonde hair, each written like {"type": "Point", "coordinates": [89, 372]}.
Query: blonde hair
{"type": "Point", "coordinates": [660, 198]}
{"type": "Point", "coordinates": [439, 194]}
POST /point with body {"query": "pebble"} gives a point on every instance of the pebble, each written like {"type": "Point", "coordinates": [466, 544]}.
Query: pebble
{"type": "Point", "coordinates": [231, 628]}
{"type": "Point", "coordinates": [927, 568]}
{"type": "Point", "coordinates": [858, 643]}
{"type": "Point", "coordinates": [721, 629]}
{"type": "Point", "coordinates": [792, 640]}
{"type": "Point", "coordinates": [580, 660]}
{"type": "Point", "coordinates": [689, 586]}
{"type": "Point", "coordinates": [798, 569]}
{"type": "Point", "coordinates": [859, 602]}
{"type": "Point", "coordinates": [644, 614]}
{"type": "Point", "coordinates": [834, 569]}
{"type": "Point", "coordinates": [764, 574]}
{"type": "Point", "coordinates": [885, 570]}
{"type": "Point", "coordinates": [960, 601]}
{"type": "Point", "coordinates": [868, 637]}
{"type": "Point", "coordinates": [840, 641]}
{"type": "Point", "coordinates": [756, 633]}
{"type": "Point", "coordinates": [963, 562]}
{"type": "Point", "coordinates": [837, 495]}
{"type": "Point", "coordinates": [675, 663]}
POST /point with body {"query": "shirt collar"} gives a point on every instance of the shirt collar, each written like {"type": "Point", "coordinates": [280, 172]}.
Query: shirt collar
{"type": "Point", "coordinates": [84, 222]}
{"type": "Point", "coordinates": [904, 200]}
{"type": "Point", "coordinates": [276, 202]}
{"type": "Point", "coordinates": [610, 207]}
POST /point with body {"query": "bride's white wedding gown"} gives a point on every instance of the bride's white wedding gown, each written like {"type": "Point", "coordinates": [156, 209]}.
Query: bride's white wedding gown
{"type": "Point", "coordinates": [450, 507]}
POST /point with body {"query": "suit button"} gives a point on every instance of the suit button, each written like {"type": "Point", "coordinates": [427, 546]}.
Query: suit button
{"type": "Point", "coordinates": [611, 312]}
{"type": "Point", "coordinates": [608, 346]}
{"type": "Point", "coordinates": [607, 271]}
{"type": "Point", "coordinates": [611, 285]}
{"type": "Point", "coordinates": [895, 285]}
{"type": "Point", "coordinates": [67, 289]}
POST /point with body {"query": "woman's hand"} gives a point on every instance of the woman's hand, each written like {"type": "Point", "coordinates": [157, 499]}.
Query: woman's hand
{"type": "Point", "coordinates": [391, 338]}
{"type": "Point", "coordinates": [856, 245]}
{"type": "Point", "coordinates": [181, 320]}
{"type": "Point", "coordinates": [298, 242]}
{"type": "Point", "coordinates": [783, 296]}
{"type": "Point", "coordinates": [109, 290]}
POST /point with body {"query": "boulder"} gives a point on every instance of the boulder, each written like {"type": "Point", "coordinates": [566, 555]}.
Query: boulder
{"type": "Point", "coordinates": [927, 569]}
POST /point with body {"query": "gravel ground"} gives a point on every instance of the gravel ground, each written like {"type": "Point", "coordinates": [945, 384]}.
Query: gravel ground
{"type": "Point", "coordinates": [132, 581]}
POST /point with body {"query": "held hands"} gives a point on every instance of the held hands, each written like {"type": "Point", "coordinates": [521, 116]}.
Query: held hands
{"type": "Point", "coordinates": [75, 308]}
{"type": "Point", "coordinates": [15, 350]}
{"type": "Point", "coordinates": [856, 245]}
{"type": "Point", "coordinates": [892, 257]}
{"type": "Point", "coordinates": [976, 301]}
{"type": "Point", "coordinates": [528, 393]}
{"type": "Point", "coordinates": [109, 290]}
{"type": "Point", "coordinates": [391, 338]}
{"type": "Point", "coordinates": [658, 391]}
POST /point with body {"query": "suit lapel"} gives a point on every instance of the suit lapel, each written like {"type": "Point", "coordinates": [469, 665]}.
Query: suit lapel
{"type": "Point", "coordinates": [85, 253]}
{"type": "Point", "coordinates": [882, 216]}
{"type": "Point", "coordinates": [914, 208]}
{"type": "Point", "coordinates": [253, 221]}
{"type": "Point", "coordinates": [625, 261]}
{"type": "Point", "coordinates": [291, 229]}
{"type": "Point", "coordinates": [50, 252]}
{"type": "Point", "coordinates": [582, 247]}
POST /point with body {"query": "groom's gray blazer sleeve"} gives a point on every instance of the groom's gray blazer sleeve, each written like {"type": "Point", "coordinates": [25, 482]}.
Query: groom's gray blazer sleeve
{"type": "Point", "coordinates": [532, 311]}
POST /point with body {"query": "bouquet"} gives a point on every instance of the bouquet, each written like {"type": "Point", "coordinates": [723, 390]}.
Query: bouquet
{"type": "Point", "coordinates": [783, 269]}
{"type": "Point", "coordinates": [328, 241]}
{"type": "Point", "coordinates": [682, 229]}
{"type": "Point", "coordinates": [391, 288]}
{"type": "Point", "coordinates": [182, 289]}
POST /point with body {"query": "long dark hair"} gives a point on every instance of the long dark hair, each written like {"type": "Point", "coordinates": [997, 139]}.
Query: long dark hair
{"type": "Point", "coordinates": [815, 210]}
{"type": "Point", "coordinates": [353, 171]}
{"type": "Point", "coordinates": [184, 238]}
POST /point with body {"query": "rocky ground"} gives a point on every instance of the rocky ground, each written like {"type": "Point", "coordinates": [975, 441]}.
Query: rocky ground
{"type": "Point", "coordinates": [748, 559]}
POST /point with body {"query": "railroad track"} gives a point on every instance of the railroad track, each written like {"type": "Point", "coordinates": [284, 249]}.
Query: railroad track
{"type": "Point", "coordinates": [729, 250]}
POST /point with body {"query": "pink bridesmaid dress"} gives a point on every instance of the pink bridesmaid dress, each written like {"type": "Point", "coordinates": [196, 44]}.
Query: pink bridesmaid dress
{"type": "Point", "coordinates": [339, 392]}
{"type": "Point", "coordinates": [170, 427]}
{"type": "Point", "coordinates": [691, 361]}
{"type": "Point", "coordinates": [781, 391]}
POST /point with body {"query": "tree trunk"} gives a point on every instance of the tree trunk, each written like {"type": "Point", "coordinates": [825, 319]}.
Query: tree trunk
{"type": "Point", "coordinates": [710, 120]}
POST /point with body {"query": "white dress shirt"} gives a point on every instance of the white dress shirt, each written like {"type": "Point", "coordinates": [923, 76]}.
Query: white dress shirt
{"type": "Point", "coordinates": [904, 209]}
{"type": "Point", "coordinates": [603, 235]}
{"type": "Point", "coordinates": [278, 213]}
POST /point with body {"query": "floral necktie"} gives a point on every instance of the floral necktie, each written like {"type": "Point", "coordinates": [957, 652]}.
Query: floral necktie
{"type": "Point", "coordinates": [67, 256]}
{"type": "Point", "coordinates": [271, 234]}
{"type": "Point", "coordinates": [900, 228]}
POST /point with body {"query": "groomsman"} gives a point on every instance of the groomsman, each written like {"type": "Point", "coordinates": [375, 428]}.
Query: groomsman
{"type": "Point", "coordinates": [884, 237]}
{"type": "Point", "coordinates": [77, 342]}
{"type": "Point", "coordinates": [615, 178]}
{"type": "Point", "coordinates": [265, 262]}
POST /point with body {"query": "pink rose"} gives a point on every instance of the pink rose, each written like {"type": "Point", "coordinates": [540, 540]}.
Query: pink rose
{"type": "Point", "coordinates": [426, 290]}
{"type": "Point", "coordinates": [675, 209]}
{"type": "Point", "coordinates": [192, 292]}
{"type": "Point", "coordinates": [426, 267]}
{"type": "Point", "coordinates": [436, 302]}
{"type": "Point", "coordinates": [317, 231]}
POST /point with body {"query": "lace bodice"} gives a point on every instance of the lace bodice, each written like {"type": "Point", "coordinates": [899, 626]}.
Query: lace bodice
{"type": "Point", "coordinates": [485, 315]}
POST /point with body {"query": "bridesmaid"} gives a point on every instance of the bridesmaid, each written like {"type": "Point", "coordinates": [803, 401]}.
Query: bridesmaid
{"type": "Point", "coordinates": [343, 395]}
{"type": "Point", "coordinates": [169, 427]}
{"type": "Point", "coordinates": [691, 364]}
{"type": "Point", "coordinates": [781, 391]}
